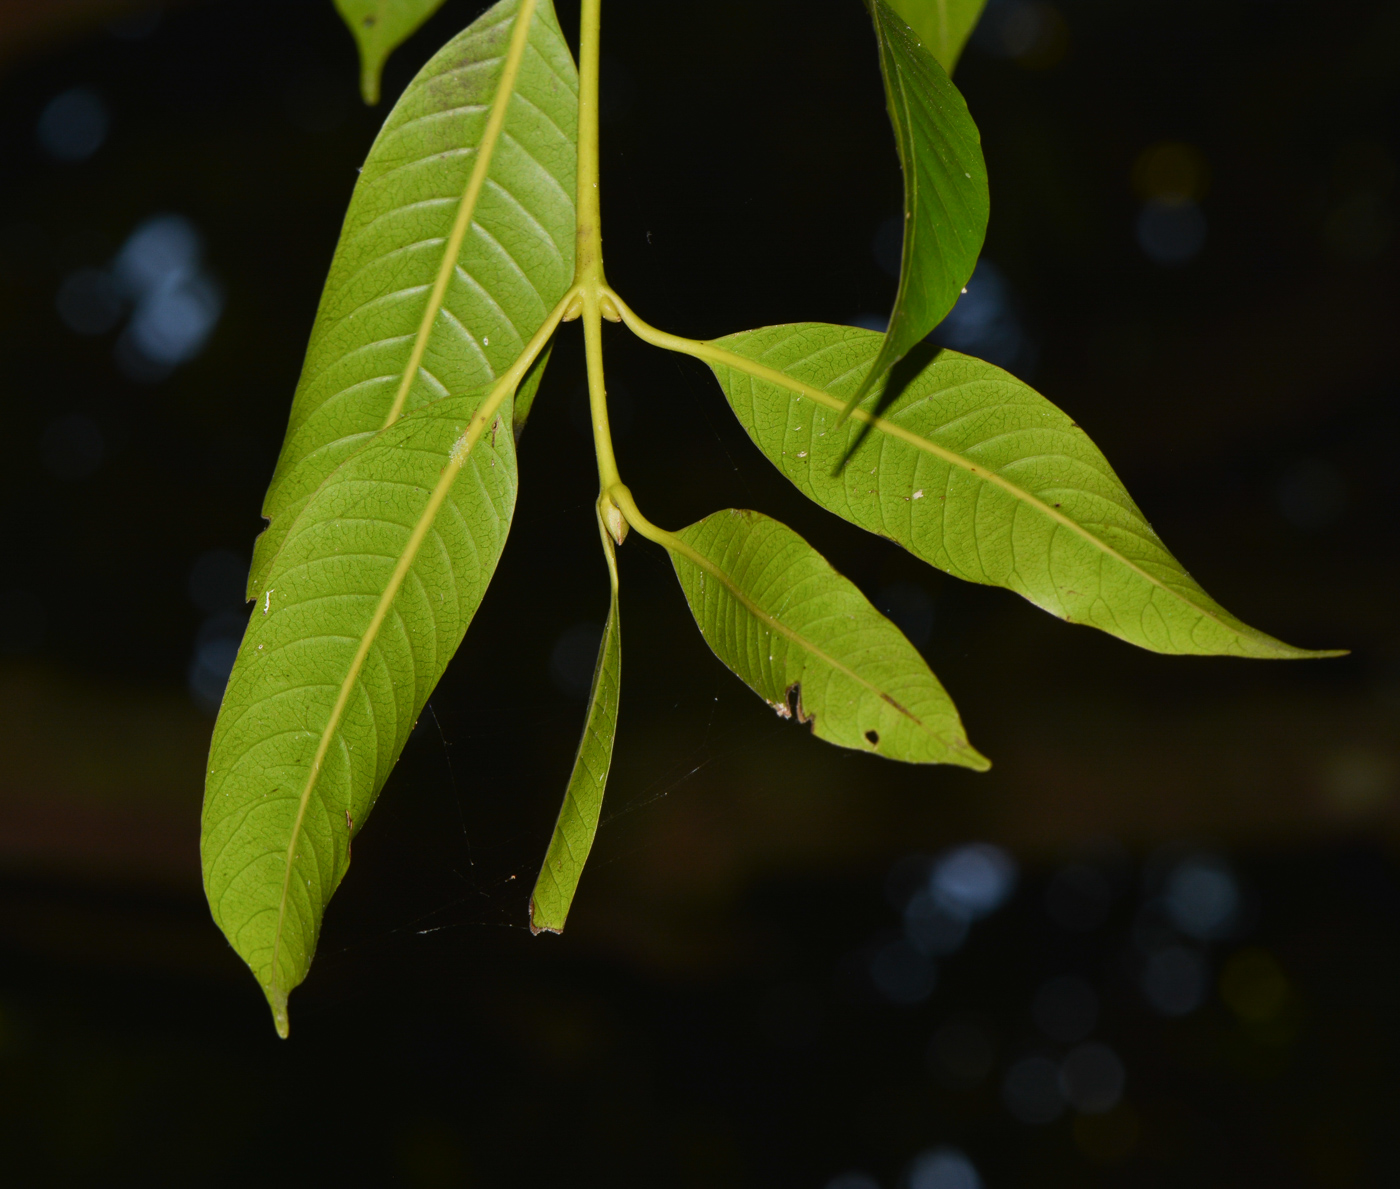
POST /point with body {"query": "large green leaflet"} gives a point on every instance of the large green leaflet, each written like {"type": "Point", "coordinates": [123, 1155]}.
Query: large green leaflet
{"type": "Point", "coordinates": [808, 642]}
{"type": "Point", "coordinates": [387, 515]}
{"type": "Point", "coordinates": [380, 27]}
{"type": "Point", "coordinates": [583, 799]}
{"type": "Point", "coordinates": [979, 475]}
{"type": "Point", "coordinates": [942, 25]}
{"type": "Point", "coordinates": [366, 602]}
{"type": "Point", "coordinates": [945, 188]}
{"type": "Point", "coordinates": [458, 242]}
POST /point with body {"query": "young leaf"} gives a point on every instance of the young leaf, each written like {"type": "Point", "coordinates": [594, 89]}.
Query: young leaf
{"type": "Point", "coordinates": [365, 603]}
{"type": "Point", "coordinates": [806, 640]}
{"type": "Point", "coordinates": [458, 242]}
{"type": "Point", "coordinates": [583, 800]}
{"type": "Point", "coordinates": [942, 25]}
{"type": "Point", "coordinates": [945, 188]}
{"type": "Point", "coordinates": [979, 475]}
{"type": "Point", "coordinates": [380, 27]}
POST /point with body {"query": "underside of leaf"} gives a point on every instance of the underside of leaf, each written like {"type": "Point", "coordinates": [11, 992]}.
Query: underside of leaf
{"type": "Point", "coordinates": [458, 241]}
{"type": "Point", "coordinates": [945, 189]}
{"type": "Point", "coordinates": [808, 642]}
{"type": "Point", "coordinates": [366, 602]}
{"type": "Point", "coordinates": [380, 27]}
{"type": "Point", "coordinates": [942, 25]}
{"type": "Point", "coordinates": [583, 800]}
{"type": "Point", "coordinates": [979, 475]}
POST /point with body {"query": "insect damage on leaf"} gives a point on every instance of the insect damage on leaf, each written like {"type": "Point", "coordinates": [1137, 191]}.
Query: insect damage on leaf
{"type": "Point", "coordinates": [472, 233]}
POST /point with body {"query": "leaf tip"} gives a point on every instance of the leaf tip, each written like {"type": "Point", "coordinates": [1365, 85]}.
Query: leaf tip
{"type": "Point", "coordinates": [964, 755]}
{"type": "Point", "coordinates": [369, 82]}
{"type": "Point", "coordinates": [536, 928]}
{"type": "Point", "coordinates": [277, 1000]}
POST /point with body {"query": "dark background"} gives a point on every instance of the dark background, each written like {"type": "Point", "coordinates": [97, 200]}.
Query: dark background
{"type": "Point", "coordinates": [726, 1008]}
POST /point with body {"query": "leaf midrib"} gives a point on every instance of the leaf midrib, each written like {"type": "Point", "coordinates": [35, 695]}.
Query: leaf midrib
{"type": "Point", "coordinates": [698, 559]}
{"type": "Point", "coordinates": [495, 122]}
{"type": "Point", "coordinates": [781, 379]}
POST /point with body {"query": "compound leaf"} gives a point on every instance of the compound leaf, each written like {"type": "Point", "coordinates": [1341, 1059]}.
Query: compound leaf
{"type": "Point", "coordinates": [366, 601]}
{"type": "Point", "coordinates": [583, 800]}
{"type": "Point", "coordinates": [458, 242]}
{"type": "Point", "coordinates": [379, 28]}
{"type": "Point", "coordinates": [945, 188]}
{"type": "Point", "coordinates": [942, 25]}
{"type": "Point", "coordinates": [807, 641]}
{"type": "Point", "coordinates": [979, 475]}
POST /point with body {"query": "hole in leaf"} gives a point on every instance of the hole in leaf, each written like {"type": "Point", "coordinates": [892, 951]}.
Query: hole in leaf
{"type": "Point", "coordinates": [873, 738]}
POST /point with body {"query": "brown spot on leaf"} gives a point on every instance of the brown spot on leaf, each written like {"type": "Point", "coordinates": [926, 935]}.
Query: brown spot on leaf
{"type": "Point", "coordinates": [900, 708]}
{"type": "Point", "coordinates": [797, 710]}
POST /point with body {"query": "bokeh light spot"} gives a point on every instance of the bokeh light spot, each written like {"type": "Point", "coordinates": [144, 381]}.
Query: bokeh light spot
{"type": "Point", "coordinates": [1032, 1091]}
{"type": "Point", "coordinates": [935, 924]}
{"type": "Point", "coordinates": [1171, 233]}
{"type": "Point", "coordinates": [1171, 172]}
{"type": "Point", "coordinates": [1202, 897]}
{"type": "Point", "coordinates": [1174, 980]}
{"type": "Point", "coordinates": [73, 125]}
{"type": "Point", "coordinates": [1092, 1078]}
{"type": "Point", "coordinates": [943, 1168]}
{"type": "Point", "coordinates": [978, 877]}
{"type": "Point", "coordinates": [1254, 986]}
{"type": "Point", "coordinates": [1109, 1137]}
{"type": "Point", "coordinates": [902, 973]}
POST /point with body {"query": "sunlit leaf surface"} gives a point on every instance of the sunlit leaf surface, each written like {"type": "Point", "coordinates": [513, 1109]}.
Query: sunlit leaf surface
{"type": "Point", "coordinates": [945, 187]}
{"type": "Point", "coordinates": [942, 25]}
{"type": "Point", "coordinates": [380, 26]}
{"type": "Point", "coordinates": [979, 475]}
{"type": "Point", "coordinates": [810, 644]}
{"type": "Point", "coordinates": [387, 516]}
{"type": "Point", "coordinates": [366, 602]}
{"type": "Point", "coordinates": [442, 273]}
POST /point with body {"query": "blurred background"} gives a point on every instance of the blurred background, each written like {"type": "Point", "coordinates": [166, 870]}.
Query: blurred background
{"type": "Point", "coordinates": [1156, 945]}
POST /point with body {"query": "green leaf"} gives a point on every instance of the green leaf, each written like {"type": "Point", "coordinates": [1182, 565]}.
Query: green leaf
{"type": "Point", "coordinates": [979, 475]}
{"type": "Point", "coordinates": [458, 242]}
{"type": "Point", "coordinates": [945, 188]}
{"type": "Point", "coordinates": [365, 603]}
{"type": "Point", "coordinates": [583, 800]}
{"type": "Point", "coordinates": [806, 641]}
{"type": "Point", "coordinates": [380, 27]}
{"type": "Point", "coordinates": [943, 26]}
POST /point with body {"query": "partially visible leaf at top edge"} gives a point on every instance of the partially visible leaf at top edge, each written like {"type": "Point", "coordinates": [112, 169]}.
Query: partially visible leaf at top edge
{"type": "Point", "coordinates": [380, 27]}
{"type": "Point", "coordinates": [945, 188]}
{"type": "Point", "coordinates": [978, 474]}
{"type": "Point", "coordinates": [577, 824]}
{"type": "Point", "coordinates": [437, 284]}
{"type": "Point", "coordinates": [365, 603]}
{"type": "Point", "coordinates": [942, 25]}
{"type": "Point", "coordinates": [808, 642]}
